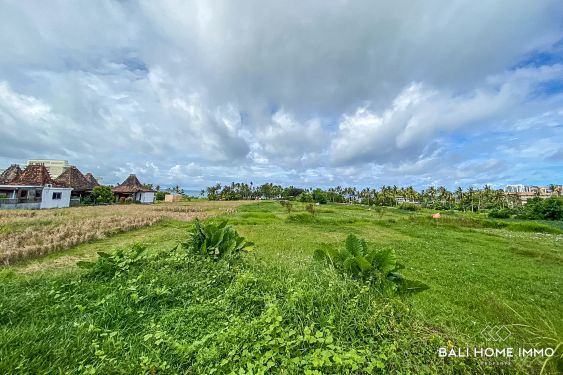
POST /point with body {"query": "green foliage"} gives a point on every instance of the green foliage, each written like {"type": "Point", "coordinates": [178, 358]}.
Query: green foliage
{"type": "Point", "coordinates": [301, 218]}
{"type": "Point", "coordinates": [287, 205]}
{"type": "Point", "coordinates": [305, 197]}
{"type": "Point", "coordinates": [216, 240]}
{"type": "Point", "coordinates": [102, 194]}
{"type": "Point", "coordinates": [87, 200]}
{"type": "Point", "coordinates": [310, 208]}
{"type": "Point", "coordinates": [113, 265]}
{"type": "Point", "coordinates": [172, 311]}
{"type": "Point", "coordinates": [504, 213]}
{"type": "Point", "coordinates": [320, 196]}
{"type": "Point", "coordinates": [409, 207]}
{"type": "Point", "coordinates": [542, 209]}
{"type": "Point", "coordinates": [373, 266]}
{"type": "Point", "coordinates": [160, 195]}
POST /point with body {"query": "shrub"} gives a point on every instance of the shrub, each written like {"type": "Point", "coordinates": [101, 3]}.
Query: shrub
{"type": "Point", "coordinates": [102, 194]}
{"type": "Point", "coordinates": [159, 196]}
{"type": "Point", "coordinates": [319, 196]}
{"type": "Point", "coordinates": [305, 197]}
{"type": "Point", "coordinates": [500, 214]}
{"type": "Point", "coordinates": [310, 208]}
{"type": "Point", "coordinates": [287, 205]}
{"type": "Point", "coordinates": [128, 200]}
{"type": "Point", "coordinates": [372, 266]}
{"type": "Point", "coordinates": [216, 240]}
{"type": "Point", "coordinates": [542, 209]}
{"type": "Point", "coordinates": [409, 207]}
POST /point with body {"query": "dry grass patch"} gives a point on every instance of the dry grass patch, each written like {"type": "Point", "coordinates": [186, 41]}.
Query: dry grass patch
{"type": "Point", "coordinates": [30, 234]}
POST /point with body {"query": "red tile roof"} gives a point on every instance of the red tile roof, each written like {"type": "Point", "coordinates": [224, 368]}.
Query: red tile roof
{"type": "Point", "coordinates": [12, 173]}
{"type": "Point", "coordinates": [36, 175]}
{"type": "Point", "coordinates": [72, 177]}
{"type": "Point", "coordinates": [92, 180]}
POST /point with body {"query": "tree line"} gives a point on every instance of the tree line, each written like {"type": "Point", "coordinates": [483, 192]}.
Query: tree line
{"type": "Point", "coordinates": [439, 198]}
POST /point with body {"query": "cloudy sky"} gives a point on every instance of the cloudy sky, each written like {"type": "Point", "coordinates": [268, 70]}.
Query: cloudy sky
{"type": "Point", "coordinates": [308, 93]}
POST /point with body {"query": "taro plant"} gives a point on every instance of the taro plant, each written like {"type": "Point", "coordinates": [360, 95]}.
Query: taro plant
{"type": "Point", "coordinates": [377, 266]}
{"type": "Point", "coordinates": [216, 240]}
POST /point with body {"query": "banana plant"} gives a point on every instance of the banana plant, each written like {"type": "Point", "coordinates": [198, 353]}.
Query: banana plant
{"type": "Point", "coordinates": [216, 240]}
{"type": "Point", "coordinates": [375, 265]}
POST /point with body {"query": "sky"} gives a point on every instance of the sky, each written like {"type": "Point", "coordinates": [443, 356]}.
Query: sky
{"type": "Point", "coordinates": [304, 93]}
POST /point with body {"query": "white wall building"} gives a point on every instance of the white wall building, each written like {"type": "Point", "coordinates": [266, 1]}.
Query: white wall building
{"type": "Point", "coordinates": [144, 197]}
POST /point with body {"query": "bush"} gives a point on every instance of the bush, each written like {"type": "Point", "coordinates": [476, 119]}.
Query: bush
{"type": "Point", "coordinates": [102, 194]}
{"type": "Point", "coordinates": [160, 195]}
{"type": "Point", "coordinates": [542, 209]}
{"type": "Point", "coordinates": [287, 205]}
{"type": "Point", "coordinates": [310, 208]}
{"type": "Point", "coordinates": [373, 266]}
{"type": "Point", "coordinates": [500, 214]}
{"type": "Point", "coordinates": [409, 207]}
{"type": "Point", "coordinates": [216, 240]}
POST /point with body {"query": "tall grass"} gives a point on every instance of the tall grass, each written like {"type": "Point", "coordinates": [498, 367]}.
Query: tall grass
{"type": "Point", "coordinates": [30, 234]}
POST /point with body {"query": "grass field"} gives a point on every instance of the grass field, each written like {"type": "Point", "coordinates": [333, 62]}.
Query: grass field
{"type": "Point", "coordinates": [277, 310]}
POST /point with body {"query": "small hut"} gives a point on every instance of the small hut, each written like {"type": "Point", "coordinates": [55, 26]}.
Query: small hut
{"type": "Point", "coordinates": [132, 188]}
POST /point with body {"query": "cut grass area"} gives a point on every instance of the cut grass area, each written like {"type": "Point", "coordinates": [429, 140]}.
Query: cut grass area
{"type": "Point", "coordinates": [173, 312]}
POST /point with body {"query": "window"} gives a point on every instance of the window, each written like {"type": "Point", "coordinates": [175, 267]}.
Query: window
{"type": "Point", "coordinates": [57, 195]}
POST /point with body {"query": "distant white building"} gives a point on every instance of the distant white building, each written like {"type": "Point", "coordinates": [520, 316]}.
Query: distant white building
{"type": "Point", "coordinates": [516, 189]}
{"type": "Point", "coordinates": [55, 167]}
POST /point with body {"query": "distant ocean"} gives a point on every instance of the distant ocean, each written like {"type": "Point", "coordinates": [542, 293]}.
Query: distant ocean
{"type": "Point", "coordinates": [194, 193]}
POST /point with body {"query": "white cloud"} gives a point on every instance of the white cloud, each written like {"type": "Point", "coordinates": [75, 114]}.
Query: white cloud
{"type": "Point", "coordinates": [339, 92]}
{"type": "Point", "coordinates": [419, 115]}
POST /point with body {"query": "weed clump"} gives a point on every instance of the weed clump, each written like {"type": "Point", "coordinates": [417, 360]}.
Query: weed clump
{"type": "Point", "coordinates": [375, 266]}
{"type": "Point", "coordinates": [216, 241]}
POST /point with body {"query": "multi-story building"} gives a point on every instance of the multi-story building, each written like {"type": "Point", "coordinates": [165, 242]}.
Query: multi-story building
{"type": "Point", "coordinates": [526, 192]}
{"type": "Point", "coordinates": [55, 167]}
{"type": "Point", "coordinates": [515, 188]}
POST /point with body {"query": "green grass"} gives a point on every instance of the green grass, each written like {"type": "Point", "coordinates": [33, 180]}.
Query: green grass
{"type": "Point", "coordinates": [277, 309]}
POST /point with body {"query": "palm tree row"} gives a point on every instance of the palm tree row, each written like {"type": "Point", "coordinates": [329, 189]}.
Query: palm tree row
{"type": "Point", "coordinates": [470, 199]}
